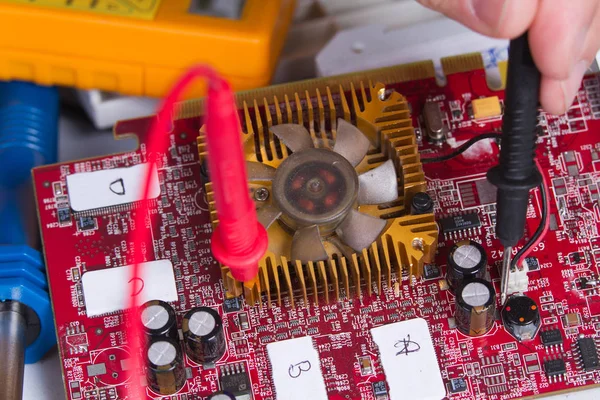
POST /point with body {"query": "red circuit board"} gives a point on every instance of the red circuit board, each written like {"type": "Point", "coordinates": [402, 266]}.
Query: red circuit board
{"type": "Point", "coordinates": [494, 366]}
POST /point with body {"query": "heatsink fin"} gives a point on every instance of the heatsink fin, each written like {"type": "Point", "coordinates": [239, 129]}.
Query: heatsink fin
{"type": "Point", "coordinates": [405, 243]}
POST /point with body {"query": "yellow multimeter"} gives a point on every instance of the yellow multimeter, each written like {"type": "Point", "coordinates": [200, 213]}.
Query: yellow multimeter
{"type": "Point", "coordinates": [140, 47]}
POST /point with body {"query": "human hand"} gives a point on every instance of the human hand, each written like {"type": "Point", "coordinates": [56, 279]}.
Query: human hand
{"type": "Point", "coordinates": [564, 36]}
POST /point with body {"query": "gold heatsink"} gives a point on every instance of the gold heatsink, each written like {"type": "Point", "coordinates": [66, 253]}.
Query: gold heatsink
{"type": "Point", "coordinates": [332, 176]}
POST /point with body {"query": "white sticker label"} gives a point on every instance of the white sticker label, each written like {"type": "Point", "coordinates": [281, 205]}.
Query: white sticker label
{"type": "Point", "coordinates": [107, 290]}
{"type": "Point", "coordinates": [409, 361]}
{"type": "Point", "coordinates": [296, 370]}
{"type": "Point", "coordinates": [110, 187]}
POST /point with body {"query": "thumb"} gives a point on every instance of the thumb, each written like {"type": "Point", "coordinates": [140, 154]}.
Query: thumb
{"type": "Point", "coordinates": [497, 18]}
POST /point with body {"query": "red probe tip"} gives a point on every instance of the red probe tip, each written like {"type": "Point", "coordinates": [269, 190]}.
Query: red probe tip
{"type": "Point", "coordinates": [239, 240]}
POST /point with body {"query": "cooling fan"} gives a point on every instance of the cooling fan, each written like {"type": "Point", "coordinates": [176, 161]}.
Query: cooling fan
{"type": "Point", "coordinates": [333, 194]}
{"type": "Point", "coordinates": [316, 192]}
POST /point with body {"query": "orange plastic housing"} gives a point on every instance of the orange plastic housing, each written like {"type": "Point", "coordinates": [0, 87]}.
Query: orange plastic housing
{"type": "Point", "coordinates": [138, 56]}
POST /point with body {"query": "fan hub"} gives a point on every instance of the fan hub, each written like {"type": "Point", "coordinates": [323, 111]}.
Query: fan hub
{"type": "Point", "coordinates": [315, 187]}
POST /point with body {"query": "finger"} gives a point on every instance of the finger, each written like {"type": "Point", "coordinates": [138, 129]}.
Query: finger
{"type": "Point", "coordinates": [557, 95]}
{"type": "Point", "coordinates": [558, 36]}
{"type": "Point", "coordinates": [498, 18]}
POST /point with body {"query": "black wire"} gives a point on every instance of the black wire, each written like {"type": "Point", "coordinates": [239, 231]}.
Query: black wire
{"type": "Point", "coordinates": [462, 148]}
{"type": "Point", "coordinates": [543, 193]}
{"type": "Point", "coordinates": [539, 230]}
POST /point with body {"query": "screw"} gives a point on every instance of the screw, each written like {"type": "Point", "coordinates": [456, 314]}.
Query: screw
{"type": "Point", "coordinates": [421, 203]}
{"type": "Point", "coordinates": [261, 194]}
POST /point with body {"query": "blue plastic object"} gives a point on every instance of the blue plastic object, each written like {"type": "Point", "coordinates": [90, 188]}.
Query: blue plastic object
{"type": "Point", "coordinates": [28, 138]}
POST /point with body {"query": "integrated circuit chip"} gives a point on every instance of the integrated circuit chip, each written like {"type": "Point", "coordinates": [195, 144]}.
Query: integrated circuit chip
{"type": "Point", "coordinates": [555, 367]}
{"type": "Point", "coordinates": [461, 222]}
{"type": "Point", "coordinates": [235, 380]}
{"type": "Point", "coordinates": [589, 354]}
{"type": "Point", "coordinates": [551, 337]}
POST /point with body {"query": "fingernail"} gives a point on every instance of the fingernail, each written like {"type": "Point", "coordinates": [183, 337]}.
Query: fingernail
{"type": "Point", "coordinates": [571, 86]}
{"type": "Point", "coordinates": [489, 12]}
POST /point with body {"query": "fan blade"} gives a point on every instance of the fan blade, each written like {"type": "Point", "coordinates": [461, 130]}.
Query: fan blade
{"type": "Point", "coordinates": [258, 171]}
{"type": "Point", "coordinates": [359, 230]}
{"type": "Point", "coordinates": [379, 185]}
{"type": "Point", "coordinates": [294, 136]}
{"type": "Point", "coordinates": [350, 142]}
{"type": "Point", "coordinates": [308, 246]}
{"type": "Point", "coordinates": [267, 215]}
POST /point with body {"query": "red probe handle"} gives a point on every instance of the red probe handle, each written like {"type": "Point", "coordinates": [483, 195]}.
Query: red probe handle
{"type": "Point", "coordinates": [239, 240]}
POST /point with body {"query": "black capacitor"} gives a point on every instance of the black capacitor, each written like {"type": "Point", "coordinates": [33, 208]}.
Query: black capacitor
{"type": "Point", "coordinates": [203, 335]}
{"type": "Point", "coordinates": [158, 319]}
{"type": "Point", "coordinates": [521, 317]}
{"type": "Point", "coordinates": [421, 204]}
{"type": "Point", "coordinates": [466, 260]}
{"type": "Point", "coordinates": [221, 396]}
{"type": "Point", "coordinates": [475, 307]}
{"type": "Point", "coordinates": [166, 370]}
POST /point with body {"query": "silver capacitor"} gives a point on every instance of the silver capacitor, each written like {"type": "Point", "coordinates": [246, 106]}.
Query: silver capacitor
{"type": "Point", "coordinates": [158, 319]}
{"type": "Point", "coordinates": [203, 335]}
{"type": "Point", "coordinates": [166, 370]}
{"type": "Point", "coordinates": [475, 307]}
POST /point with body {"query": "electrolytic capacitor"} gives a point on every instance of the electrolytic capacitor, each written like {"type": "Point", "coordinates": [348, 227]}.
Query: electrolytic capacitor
{"type": "Point", "coordinates": [166, 371]}
{"type": "Point", "coordinates": [158, 319]}
{"type": "Point", "coordinates": [475, 307]}
{"type": "Point", "coordinates": [203, 335]}
{"type": "Point", "coordinates": [467, 260]}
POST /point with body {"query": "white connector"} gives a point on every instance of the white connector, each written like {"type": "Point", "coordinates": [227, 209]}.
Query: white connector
{"type": "Point", "coordinates": [518, 281]}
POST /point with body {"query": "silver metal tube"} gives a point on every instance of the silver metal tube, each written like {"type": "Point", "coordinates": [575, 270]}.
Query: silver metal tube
{"type": "Point", "coordinates": [12, 354]}
{"type": "Point", "coordinates": [506, 260]}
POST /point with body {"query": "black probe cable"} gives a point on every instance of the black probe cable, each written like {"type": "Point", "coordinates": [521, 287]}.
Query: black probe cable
{"type": "Point", "coordinates": [462, 148]}
{"type": "Point", "coordinates": [543, 190]}
{"type": "Point", "coordinates": [541, 229]}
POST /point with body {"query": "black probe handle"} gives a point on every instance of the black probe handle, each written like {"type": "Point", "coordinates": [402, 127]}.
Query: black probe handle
{"type": "Point", "coordinates": [516, 173]}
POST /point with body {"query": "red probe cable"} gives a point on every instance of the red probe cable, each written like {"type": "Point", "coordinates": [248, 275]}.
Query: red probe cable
{"type": "Point", "coordinates": [239, 240]}
{"type": "Point", "coordinates": [546, 222]}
